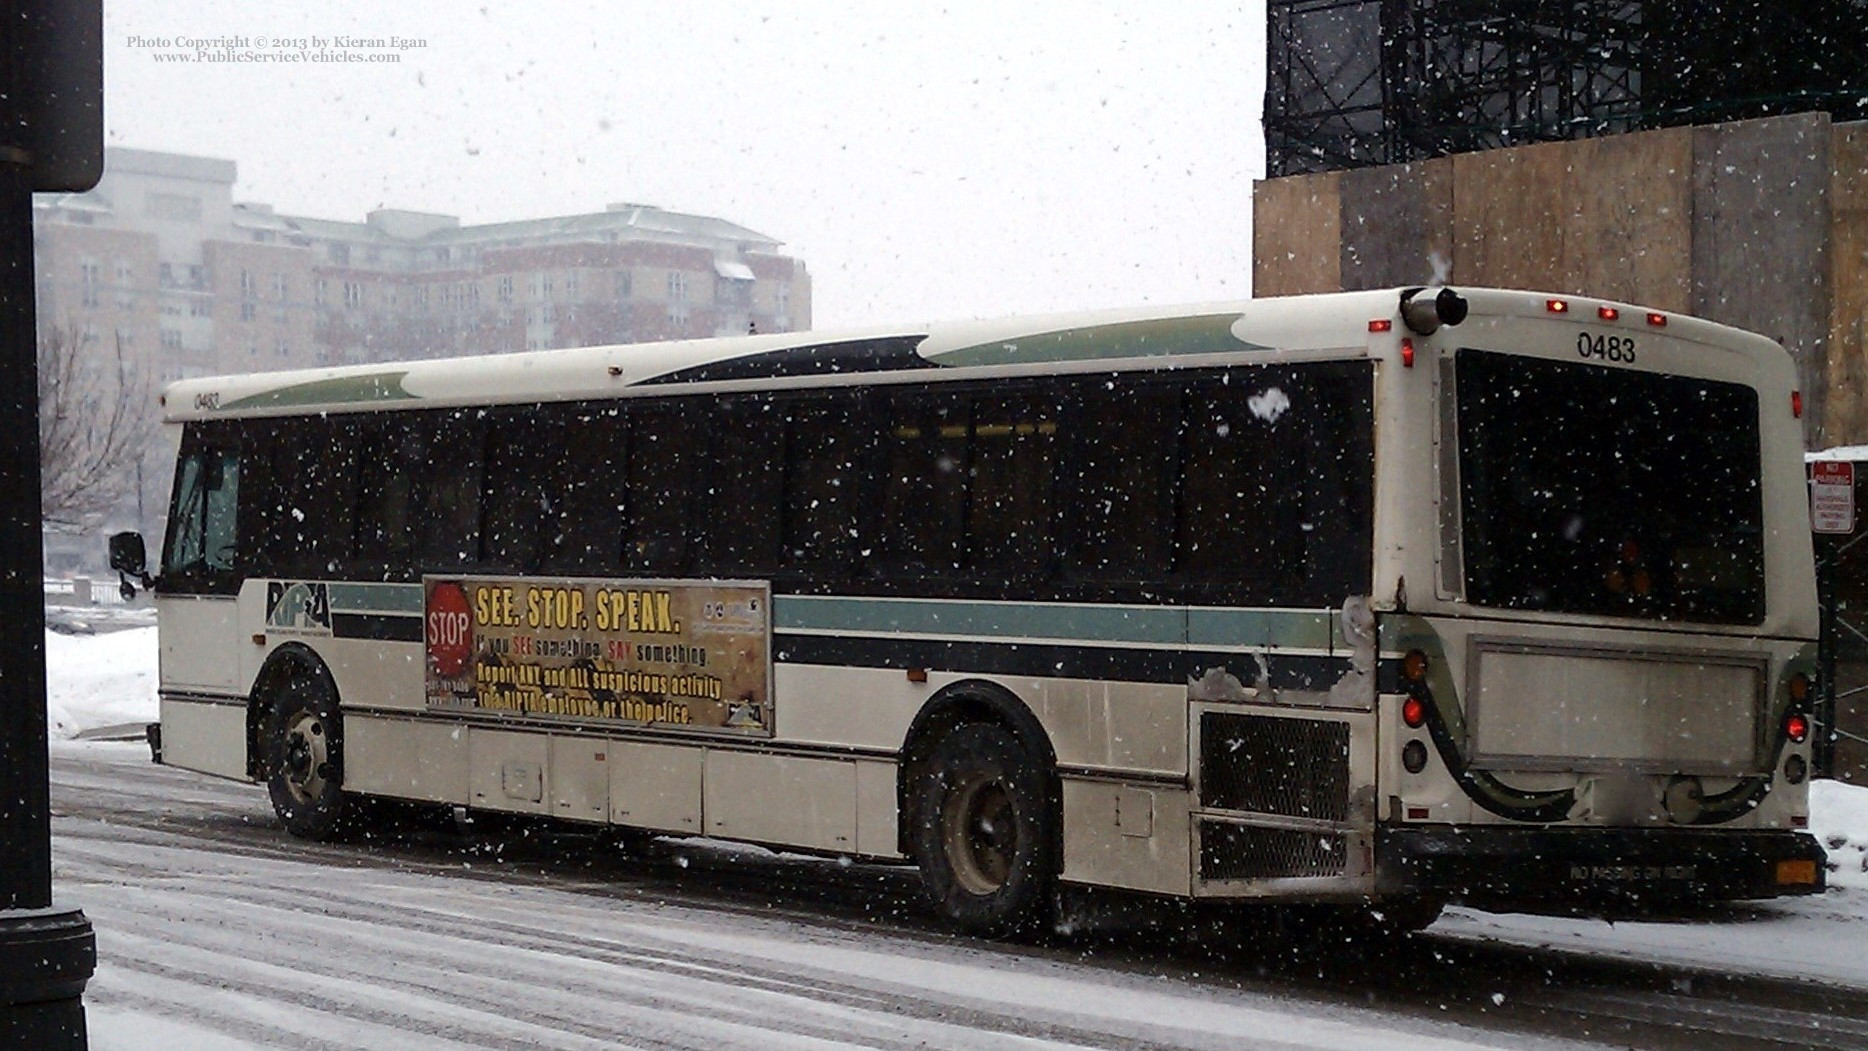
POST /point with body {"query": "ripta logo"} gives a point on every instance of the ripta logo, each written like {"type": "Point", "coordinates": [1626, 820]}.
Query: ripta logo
{"type": "Point", "coordinates": [298, 606]}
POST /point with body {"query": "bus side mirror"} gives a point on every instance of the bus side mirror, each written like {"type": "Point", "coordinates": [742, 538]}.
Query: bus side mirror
{"type": "Point", "coordinates": [129, 559]}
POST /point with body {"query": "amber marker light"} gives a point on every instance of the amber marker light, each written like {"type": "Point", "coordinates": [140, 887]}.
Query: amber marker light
{"type": "Point", "coordinates": [1608, 313]}
{"type": "Point", "coordinates": [1381, 324]}
{"type": "Point", "coordinates": [1557, 306]}
{"type": "Point", "coordinates": [1796, 872]}
{"type": "Point", "coordinates": [1658, 320]}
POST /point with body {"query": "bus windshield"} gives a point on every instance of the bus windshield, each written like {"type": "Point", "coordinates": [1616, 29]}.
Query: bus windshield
{"type": "Point", "coordinates": [1599, 490]}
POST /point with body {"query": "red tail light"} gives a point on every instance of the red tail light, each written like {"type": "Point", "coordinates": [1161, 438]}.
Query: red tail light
{"type": "Point", "coordinates": [1796, 727]}
{"type": "Point", "coordinates": [1413, 712]}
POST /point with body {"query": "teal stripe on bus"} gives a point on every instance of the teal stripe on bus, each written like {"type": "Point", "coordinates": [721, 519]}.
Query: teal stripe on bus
{"type": "Point", "coordinates": [1151, 337]}
{"type": "Point", "coordinates": [376, 598]}
{"type": "Point", "coordinates": [1306, 629]}
{"type": "Point", "coordinates": [1158, 625]}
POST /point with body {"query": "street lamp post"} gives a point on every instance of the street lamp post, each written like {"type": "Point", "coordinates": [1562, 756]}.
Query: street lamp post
{"type": "Point", "coordinates": [51, 138]}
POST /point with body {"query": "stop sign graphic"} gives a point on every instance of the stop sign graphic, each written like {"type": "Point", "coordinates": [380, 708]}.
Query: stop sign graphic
{"type": "Point", "coordinates": [449, 628]}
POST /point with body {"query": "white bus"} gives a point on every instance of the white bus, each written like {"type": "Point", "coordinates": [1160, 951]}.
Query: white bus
{"type": "Point", "coordinates": [1377, 597]}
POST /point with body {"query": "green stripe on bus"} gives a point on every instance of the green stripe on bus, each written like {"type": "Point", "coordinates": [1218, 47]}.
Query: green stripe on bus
{"type": "Point", "coordinates": [376, 386]}
{"type": "Point", "coordinates": [1205, 334]}
{"type": "Point", "coordinates": [376, 598]}
{"type": "Point", "coordinates": [1294, 629]}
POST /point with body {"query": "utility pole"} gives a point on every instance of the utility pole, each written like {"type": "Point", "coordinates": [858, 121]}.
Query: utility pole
{"type": "Point", "coordinates": [51, 138]}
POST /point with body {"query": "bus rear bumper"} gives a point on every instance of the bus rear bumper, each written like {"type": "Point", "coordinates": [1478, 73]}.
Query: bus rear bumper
{"type": "Point", "coordinates": [1531, 864]}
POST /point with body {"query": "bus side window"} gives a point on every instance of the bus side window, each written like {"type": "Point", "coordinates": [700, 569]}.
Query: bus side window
{"type": "Point", "coordinates": [312, 470]}
{"type": "Point", "coordinates": [924, 489]}
{"type": "Point", "coordinates": [1243, 484]}
{"type": "Point", "coordinates": [387, 454]}
{"type": "Point", "coordinates": [587, 479]}
{"type": "Point", "coordinates": [1009, 514]}
{"type": "Point", "coordinates": [449, 522]}
{"type": "Point", "coordinates": [821, 475]}
{"type": "Point", "coordinates": [661, 468]}
{"type": "Point", "coordinates": [739, 515]}
{"type": "Point", "coordinates": [1124, 445]}
{"type": "Point", "coordinates": [516, 510]}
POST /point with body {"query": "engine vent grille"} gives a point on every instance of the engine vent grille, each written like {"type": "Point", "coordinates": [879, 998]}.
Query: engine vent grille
{"type": "Point", "coordinates": [1229, 851]}
{"type": "Point", "coordinates": [1268, 765]}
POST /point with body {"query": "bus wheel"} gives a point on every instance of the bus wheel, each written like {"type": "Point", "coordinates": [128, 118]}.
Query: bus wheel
{"type": "Point", "coordinates": [985, 834]}
{"type": "Point", "coordinates": [305, 761]}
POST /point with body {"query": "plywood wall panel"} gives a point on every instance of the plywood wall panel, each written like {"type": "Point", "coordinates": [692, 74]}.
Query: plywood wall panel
{"type": "Point", "coordinates": [1297, 234]}
{"type": "Point", "coordinates": [1511, 211]}
{"type": "Point", "coordinates": [1397, 225]}
{"type": "Point", "coordinates": [1845, 418]}
{"type": "Point", "coordinates": [1631, 233]}
{"type": "Point", "coordinates": [1760, 234]}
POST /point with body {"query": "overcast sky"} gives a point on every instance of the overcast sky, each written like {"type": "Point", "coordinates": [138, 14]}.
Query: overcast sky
{"type": "Point", "coordinates": [974, 159]}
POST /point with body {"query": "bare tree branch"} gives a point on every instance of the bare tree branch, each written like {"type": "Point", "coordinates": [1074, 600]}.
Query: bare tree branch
{"type": "Point", "coordinates": [95, 420]}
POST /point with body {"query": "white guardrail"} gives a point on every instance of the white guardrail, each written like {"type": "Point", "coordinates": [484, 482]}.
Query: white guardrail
{"type": "Point", "coordinates": [88, 591]}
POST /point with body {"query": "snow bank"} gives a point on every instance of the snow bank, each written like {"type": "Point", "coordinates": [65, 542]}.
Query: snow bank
{"type": "Point", "coordinates": [1839, 821]}
{"type": "Point", "coordinates": [99, 680]}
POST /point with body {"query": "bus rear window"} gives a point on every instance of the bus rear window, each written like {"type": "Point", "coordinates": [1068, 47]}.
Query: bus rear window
{"type": "Point", "coordinates": [1594, 490]}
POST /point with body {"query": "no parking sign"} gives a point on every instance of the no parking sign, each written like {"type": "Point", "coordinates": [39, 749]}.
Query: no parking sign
{"type": "Point", "coordinates": [1832, 496]}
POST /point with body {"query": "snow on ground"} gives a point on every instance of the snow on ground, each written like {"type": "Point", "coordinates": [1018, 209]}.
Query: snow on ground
{"type": "Point", "coordinates": [109, 679]}
{"type": "Point", "coordinates": [93, 681]}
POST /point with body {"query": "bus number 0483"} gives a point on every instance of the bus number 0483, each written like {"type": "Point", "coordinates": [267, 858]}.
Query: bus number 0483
{"type": "Point", "coordinates": [1605, 348]}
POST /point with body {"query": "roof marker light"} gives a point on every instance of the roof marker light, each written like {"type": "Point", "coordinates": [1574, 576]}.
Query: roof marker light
{"type": "Point", "coordinates": [1381, 324]}
{"type": "Point", "coordinates": [1657, 319]}
{"type": "Point", "coordinates": [1608, 313]}
{"type": "Point", "coordinates": [1557, 306]}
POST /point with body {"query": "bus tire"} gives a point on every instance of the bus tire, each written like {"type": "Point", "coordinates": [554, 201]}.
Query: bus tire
{"type": "Point", "coordinates": [305, 761]}
{"type": "Point", "coordinates": [985, 834]}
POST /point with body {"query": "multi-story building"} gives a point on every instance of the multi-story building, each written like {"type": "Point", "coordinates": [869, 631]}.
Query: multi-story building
{"type": "Point", "coordinates": [159, 271]}
{"type": "Point", "coordinates": [161, 260]}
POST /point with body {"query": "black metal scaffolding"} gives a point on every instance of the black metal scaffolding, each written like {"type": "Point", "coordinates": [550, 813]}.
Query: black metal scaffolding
{"type": "Point", "coordinates": [1354, 83]}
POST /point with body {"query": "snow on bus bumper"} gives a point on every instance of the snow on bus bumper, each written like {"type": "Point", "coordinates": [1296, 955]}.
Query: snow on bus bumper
{"type": "Point", "coordinates": [1507, 863]}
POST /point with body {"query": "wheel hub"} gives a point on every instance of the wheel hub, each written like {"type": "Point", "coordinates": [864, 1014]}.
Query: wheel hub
{"type": "Point", "coordinates": [307, 756]}
{"type": "Point", "coordinates": [980, 830]}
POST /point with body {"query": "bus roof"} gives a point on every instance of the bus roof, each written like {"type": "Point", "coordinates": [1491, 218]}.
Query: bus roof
{"type": "Point", "coordinates": [1140, 336]}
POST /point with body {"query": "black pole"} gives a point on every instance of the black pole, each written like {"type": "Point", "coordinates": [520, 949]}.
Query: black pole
{"type": "Point", "coordinates": [47, 954]}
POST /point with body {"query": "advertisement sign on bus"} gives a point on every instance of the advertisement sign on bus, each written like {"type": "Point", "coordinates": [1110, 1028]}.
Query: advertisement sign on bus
{"type": "Point", "coordinates": [657, 654]}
